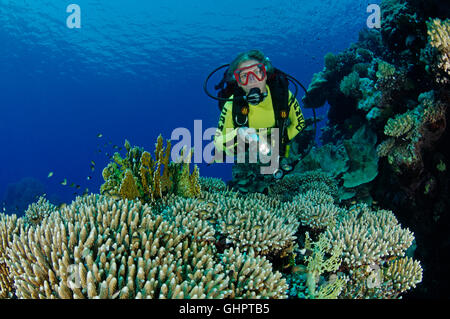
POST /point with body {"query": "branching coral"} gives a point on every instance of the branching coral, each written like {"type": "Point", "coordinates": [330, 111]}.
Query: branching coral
{"type": "Point", "coordinates": [211, 184]}
{"type": "Point", "coordinates": [295, 183]}
{"type": "Point", "coordinates": [370, 241]}
{"type": "Point", "coordinates": [368, 236]}
{"type": "Point", "coordinates": [37, 211]}
{"type": "Point", "coordinates": [314, 209]}
{"type": "Point", "coordinates": [9, 226]}
{"type": "Point", "coordinates": [99, 248]}
{"type": "Point", "coordinates": [251, 276]}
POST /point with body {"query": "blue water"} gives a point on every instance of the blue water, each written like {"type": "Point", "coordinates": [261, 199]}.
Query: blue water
{"type": "Point", "coordinates": [134, 70]}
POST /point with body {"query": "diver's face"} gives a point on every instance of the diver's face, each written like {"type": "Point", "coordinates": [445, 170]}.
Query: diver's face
{"type": "Point", "coordinates": [253, 82]}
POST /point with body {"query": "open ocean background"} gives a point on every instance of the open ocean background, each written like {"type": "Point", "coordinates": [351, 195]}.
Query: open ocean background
{"type": "Point", "coordinates": [135, 70]}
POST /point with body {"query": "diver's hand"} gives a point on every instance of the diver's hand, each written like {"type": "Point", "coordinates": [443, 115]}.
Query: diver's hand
{"type": "Point", "coordinates": [248, 135]}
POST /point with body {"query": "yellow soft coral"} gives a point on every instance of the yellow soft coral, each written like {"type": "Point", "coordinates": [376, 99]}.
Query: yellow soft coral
{"type": "Point", "coordinates": [317, 265]}
{"type": "Point", "coordinates": [129, 188]}
{"type": "Point", "coordinates": [138, 175]}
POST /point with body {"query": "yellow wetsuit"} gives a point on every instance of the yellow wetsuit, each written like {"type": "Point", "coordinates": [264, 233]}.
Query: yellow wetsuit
{"type": "Point", "coordinates": [260, 116]}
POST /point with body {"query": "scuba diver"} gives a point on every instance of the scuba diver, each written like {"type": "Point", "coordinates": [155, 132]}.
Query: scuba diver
{"type": "Point", "coordinates": [254, 98]}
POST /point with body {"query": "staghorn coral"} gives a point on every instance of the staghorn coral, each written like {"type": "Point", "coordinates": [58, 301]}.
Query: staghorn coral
{"type": "Point", "coordinates": [385, 147]}
{"type": "Point", "coordinates": [249, 224]}
{"type": "Point", "coordinates": [140, 176]}
{"type": "Point", "coordinates": [373, 248]}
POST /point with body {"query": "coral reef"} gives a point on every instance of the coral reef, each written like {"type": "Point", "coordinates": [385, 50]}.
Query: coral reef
{"type": "Point", "coordinates": [219, 244]}
{"type": "Point", "coordinates": [138, 175]}
{"type": "Point", "coordinates": [99, 248]}
{"type": "Point", "coordinates": [394, 82]}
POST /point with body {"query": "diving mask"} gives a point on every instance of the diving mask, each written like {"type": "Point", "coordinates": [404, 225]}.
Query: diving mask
{"type": "Point", "coordinates": [255, 71]}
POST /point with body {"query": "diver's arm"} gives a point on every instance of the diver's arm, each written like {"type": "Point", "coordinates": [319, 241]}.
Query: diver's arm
{"type": "Point", "coordinates": [296, 118]}
{"type": "Point", "coordinates": [226, 132]}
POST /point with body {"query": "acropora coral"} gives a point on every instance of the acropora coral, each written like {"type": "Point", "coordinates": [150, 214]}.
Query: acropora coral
{"type": "Point", "coordinates": [218, 245]}
{"type": "Point", "coordinates": [99, 248]}
{"type": "Point", "coordinates": [37, 211]}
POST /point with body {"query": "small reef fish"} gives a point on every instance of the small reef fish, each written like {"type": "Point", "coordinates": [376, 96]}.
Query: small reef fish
{"type": "Point", "coordinates": [115, 197]}
{"type": "Point", "coordinates": [89, 178]}
{"type": "Point", "coordinates": [64, 182]}
{"type": "Point", "coordinates": [50, 175]}
{"type": "Point", "coordinates": [93, 163]}
{"type": "Point", "coordinates": [99, 135]}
